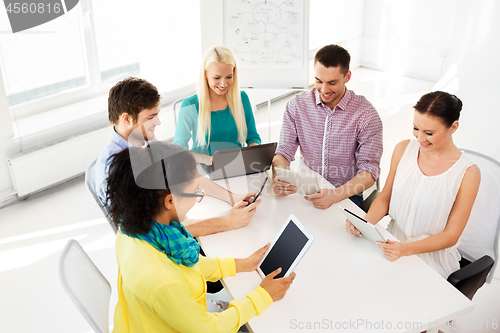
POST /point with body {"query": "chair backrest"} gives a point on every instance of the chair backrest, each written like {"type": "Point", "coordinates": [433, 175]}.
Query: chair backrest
{"type": "Point", "coordinates": [480, 236]}
{"type": "Point", "coordinates": [176, 106]}
{"type": "Point", "coordinates": [85, 285]}
{"type": "Point", "coordinates": [89, 182]}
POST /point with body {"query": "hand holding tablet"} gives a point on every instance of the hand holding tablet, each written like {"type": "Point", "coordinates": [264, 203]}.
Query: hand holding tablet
{"type": "Point", "coordinates": [282, 188]}
{"type": "Point", "coordinates": [276, 288]}
{"type": "Point", "coordinates": [290, 245]}
{"type": "Point", "coordinates": [306, 183]}
{"type": "Point", "coordinates": [367, 229]}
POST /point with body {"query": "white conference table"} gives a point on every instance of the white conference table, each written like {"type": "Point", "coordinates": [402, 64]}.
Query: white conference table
{"type": "Point", "coordinates": [343, 283]}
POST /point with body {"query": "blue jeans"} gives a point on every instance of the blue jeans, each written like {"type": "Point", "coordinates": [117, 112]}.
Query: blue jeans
{"type": "Point", "coordinates": [357, 198]}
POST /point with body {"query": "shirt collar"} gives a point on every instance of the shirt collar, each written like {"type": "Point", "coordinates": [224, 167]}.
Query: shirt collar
{"type": "Point", "coordinates": [316, 95]}
{"type": "Point", "coordinates": [343, 102]}
{"type": "Point", "coordinates": [121, 142]}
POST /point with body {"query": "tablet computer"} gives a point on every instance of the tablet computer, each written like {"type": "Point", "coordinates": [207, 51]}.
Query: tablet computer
{"type": "Point", "coordinates": [240, 161]}
{"type": "Point", "coordinates": [306, 183]}
{"type": "Point", "coordinates": [366, 228]}
{"type": "Point", "coordinates": [287, 249]}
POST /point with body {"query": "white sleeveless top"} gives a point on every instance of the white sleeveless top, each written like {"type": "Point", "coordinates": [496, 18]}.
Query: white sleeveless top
{"type": "Point", "coordinates": [420, 206]}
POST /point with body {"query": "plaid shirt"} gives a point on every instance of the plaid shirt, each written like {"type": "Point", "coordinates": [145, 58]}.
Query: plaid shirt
{"type": "Point", "coordinates": [338, 143]}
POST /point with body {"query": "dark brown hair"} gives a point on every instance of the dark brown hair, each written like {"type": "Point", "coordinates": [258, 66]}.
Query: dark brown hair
{"type": "Point", "coordinates": [139, 180]}
{"type": "Point", "coordinates": [131, 96]}
{"type": "Point", "coordinates": [333, 56]}
{"type": "Point", "coordinates": [440, 104]}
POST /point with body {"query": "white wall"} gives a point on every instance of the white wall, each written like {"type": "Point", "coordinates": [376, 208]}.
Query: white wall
{"type": "Point", "coordinates": [331, 22]}
{"type": "Point", "coordinates": [451, 42]}
{"type": "Point", "coordinates": [408, 37]}
{"type": "Point", "coordinates": [337, 22]}
{"type": "Point", "coordinates": [471, 71]}
{"type": "Point", "coordinates": [7, 145]}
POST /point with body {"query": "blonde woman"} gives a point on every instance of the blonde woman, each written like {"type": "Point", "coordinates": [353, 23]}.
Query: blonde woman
{"type": "Point", "coordinates": [219, 116]}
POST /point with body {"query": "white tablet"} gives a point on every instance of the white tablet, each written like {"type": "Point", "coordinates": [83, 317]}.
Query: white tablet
{"type": "Point", "coordinates": [367, 229]}
{"type": "Point", "coordinates": [306, 183]}
{"type": "Point", "coordinates": [287, 249]}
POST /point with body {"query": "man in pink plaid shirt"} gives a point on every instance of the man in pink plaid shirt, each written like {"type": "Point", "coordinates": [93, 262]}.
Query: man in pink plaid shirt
{"type": "Point", "coordinates": [339, 133]}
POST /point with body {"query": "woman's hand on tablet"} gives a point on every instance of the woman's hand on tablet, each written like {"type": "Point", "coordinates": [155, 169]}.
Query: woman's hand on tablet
{"type": "Point", "coordinates": [277, 288]}
{"type": "Point", "coordinates": [282, 189]}
{"type": "Point", "coordinates": [352, 229]}
{"type": "Point", "coordinates": [392, 249]}
{"type": "Point", "coordinates": [250, 264]}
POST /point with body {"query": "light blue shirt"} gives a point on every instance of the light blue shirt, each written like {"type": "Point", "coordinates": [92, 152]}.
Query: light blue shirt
{"type": "Point", "coordinates": [114, 145]}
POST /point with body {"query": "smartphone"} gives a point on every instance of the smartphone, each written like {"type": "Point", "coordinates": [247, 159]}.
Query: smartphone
{"type": "Point", "coordinates": [261, 189]}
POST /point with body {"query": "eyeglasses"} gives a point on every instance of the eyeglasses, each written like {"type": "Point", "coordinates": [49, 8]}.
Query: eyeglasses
{"type": "Point", "coordinates": [200, 194]}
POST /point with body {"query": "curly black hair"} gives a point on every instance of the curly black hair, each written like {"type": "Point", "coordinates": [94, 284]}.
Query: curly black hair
{"type": "Point", "coordinates": [140, 178]}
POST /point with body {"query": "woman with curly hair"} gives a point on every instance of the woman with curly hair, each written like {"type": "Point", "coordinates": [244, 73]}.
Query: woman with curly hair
{"type": "Point", "coordinates": [162, 277]}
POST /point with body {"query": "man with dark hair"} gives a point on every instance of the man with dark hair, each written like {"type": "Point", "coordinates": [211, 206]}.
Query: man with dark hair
{"type": "Point", "coordinates": [339, 133]}
{"type": "Point", "coordinates": [133, 108]}
{"type": "Point", "coordinates": [333, 56]}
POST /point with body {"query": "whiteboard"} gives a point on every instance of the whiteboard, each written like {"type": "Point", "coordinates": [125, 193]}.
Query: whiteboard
{"type": "Point", "coordinates": [270, 39]}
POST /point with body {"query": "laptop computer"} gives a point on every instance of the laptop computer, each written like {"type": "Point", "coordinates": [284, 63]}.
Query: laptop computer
{"type": "Point", "coordinates": [240, 161]}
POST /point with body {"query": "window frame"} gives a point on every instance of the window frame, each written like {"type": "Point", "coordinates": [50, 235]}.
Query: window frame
{"type": "Point", "coordinates": [92, 89]}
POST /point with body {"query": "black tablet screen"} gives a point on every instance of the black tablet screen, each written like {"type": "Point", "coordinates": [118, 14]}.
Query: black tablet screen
{"type": "Point", "coordinates": [284, 251]}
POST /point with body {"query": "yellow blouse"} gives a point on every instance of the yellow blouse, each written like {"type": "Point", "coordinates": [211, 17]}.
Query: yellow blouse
{"type": "Point", "coordinates": [157, 295]}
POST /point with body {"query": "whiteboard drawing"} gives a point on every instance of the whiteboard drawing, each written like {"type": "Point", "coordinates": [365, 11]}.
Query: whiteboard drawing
{"type": "Point", "coordinates": [265, 33]}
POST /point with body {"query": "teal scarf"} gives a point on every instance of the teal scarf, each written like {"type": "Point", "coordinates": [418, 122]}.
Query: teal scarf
{"type": "Point", "coordinates": [173, 240]}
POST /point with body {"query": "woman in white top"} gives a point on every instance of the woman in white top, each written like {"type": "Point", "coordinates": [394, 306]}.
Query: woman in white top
{"type": "Point", "coordinates": [430, 189]}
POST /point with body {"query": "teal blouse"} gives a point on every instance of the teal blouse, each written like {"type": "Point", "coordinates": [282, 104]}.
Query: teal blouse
{"type": "Point", "coordinates": [224, 133]}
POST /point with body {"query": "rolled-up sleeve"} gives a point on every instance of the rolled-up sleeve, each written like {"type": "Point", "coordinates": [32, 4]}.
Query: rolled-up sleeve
{"type": "Point", "coordinates": [370, 144]}
{"type": "Point", "coordinates": [289, 140]}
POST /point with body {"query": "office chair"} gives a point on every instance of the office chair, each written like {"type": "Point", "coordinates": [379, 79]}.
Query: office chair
{"type": "Point", "coordinates": [479, 241]}
{"type": "Point", "coordinates": [89, 182]}
{"type": "Point", "coordinates": [175, 106]}
{"type": "Point", "coordinates": [365, 205]}
{"type": "Point", "coordinates": [85, 285]}
{"type": "Point", "coordinates": [175, 109]}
